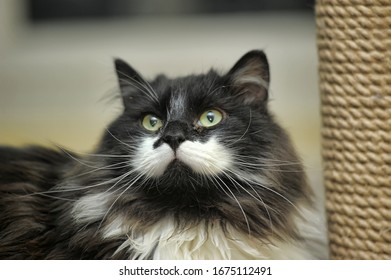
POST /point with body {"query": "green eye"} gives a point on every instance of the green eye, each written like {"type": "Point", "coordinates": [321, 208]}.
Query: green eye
{"type": "Point", "coordinates": [210, 118]}
{"type": "Point", "coordinates": [152, 123]}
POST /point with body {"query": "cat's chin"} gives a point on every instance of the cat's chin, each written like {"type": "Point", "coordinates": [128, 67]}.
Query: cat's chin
{"type": "Point", "coordinates": [177, 167]}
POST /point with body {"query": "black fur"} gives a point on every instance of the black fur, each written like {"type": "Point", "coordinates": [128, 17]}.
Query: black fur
{"type": "Point", "coordinates": [38, 187]}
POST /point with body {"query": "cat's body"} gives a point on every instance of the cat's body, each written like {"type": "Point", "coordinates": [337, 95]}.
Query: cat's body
{"type": "Point", "coordinates": [194, 168]}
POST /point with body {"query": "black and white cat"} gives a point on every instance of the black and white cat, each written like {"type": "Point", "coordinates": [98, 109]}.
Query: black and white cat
{"type": "Point", "coordinates": [194, 168]}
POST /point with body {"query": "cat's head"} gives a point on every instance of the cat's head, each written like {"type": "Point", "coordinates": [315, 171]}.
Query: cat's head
{"type": "Point", "coordinates": [205, 142]}
{"type": "Point", "coordinates": [194, 122]}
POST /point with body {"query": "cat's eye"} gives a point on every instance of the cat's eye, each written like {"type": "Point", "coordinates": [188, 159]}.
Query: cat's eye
{"type": "Point", "coordinates": [152, 123]}
{"type": "Point", "coordinates": [210, 118]}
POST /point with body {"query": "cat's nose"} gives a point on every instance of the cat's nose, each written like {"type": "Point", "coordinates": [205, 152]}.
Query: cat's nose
{"type": "Point", "coordinates": [174, 134]}
{"type": "Point", "coordinates": [174, 140]}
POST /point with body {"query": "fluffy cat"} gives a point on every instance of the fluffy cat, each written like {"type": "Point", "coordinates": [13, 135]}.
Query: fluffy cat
{"type": "Point", "coordinates": [195, 167]}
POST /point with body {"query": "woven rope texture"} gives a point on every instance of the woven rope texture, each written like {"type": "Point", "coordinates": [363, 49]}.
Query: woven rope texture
{"type": "Point", "coordinates": [354, 47]}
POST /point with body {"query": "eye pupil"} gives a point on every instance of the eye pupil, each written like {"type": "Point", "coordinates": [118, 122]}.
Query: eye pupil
{"type": "Point", "coordinates": [153, 121]}
{"type": "Point", "coordinates": [210, 116]}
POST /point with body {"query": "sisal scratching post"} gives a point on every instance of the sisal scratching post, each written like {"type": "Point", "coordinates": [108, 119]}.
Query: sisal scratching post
{"type": "Point", "coordinates": [354, 45]}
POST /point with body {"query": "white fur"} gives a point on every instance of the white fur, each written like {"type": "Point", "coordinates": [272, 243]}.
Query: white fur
{"type": "Point", "coordinates": [177, 105]}
{"type": "Point", "coordinates": [204, 241]}
{"type": "Point", "coordinates": [152, 162]}
{"type": "Point", "coordinates": [312, 227]}
{"type": "Point", "coordinates": [209, 158]}
{"type": "Point", "coordinates": [90, 208]}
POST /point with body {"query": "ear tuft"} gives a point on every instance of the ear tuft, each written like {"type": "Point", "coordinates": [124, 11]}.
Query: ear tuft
{"type": "Point", "coordinates": [129, 79]}
{"type": "Point", "coordinates": [250, 78]}
{"type": "Point", "coordinates": [125, 73]}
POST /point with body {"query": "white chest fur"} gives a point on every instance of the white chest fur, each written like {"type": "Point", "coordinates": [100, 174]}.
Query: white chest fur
{"type": "Point", "coordinates": [203, 241]}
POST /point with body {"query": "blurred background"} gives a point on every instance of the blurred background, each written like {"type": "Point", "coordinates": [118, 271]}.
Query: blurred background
{"type": "Point", "coordinates": [56, 69]}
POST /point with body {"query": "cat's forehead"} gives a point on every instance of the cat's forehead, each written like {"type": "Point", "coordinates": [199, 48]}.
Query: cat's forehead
{"type": "Point", "coordinates": [186, 85]}
{"type": "Point", "coordinates": [181, 93]}
{"type": "Point", "coordinates": [178, 102]}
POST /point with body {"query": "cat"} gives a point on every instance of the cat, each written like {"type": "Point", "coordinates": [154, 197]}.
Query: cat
{"type": "Point", "coordinates": [195, 167]}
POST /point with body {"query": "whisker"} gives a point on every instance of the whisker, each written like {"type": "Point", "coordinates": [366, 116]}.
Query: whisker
{"type": "Point", "coordinates": [269, 159]}
{"type": "Point", "coordinates": [145, 86]}
{"type": "Point", "coordinates": [136, 84]}
{"type": "Point", "coordinates": [216, 89]}
{"type": "Point", "coordinates": [55, 197]}
{"type": "Point", "coordinates": [238, 203]}
{"type": "Point", "coordinates": [104, 155]}
{"type": "Point", "coordinates": [120, 180]}
{"type": "Point", "coordinates": [268, 167]}
{"type": "Point", "coordinates": [257, 131]}
{"type": "Point", "coordinates": [118, 197]}
{"type": "Point", "coordinates": [61, 189]}
{"type": "Point", "coordinates": [258, 198]}
{"type": "Point", "coordinates": [120, 141]}
{"type": "Point", "coordinates": [266, 188]}
{"type": "Point", "coordinates": [245, 132]}
{"type": "Point", "coordinates": [237, 184]}
{"type": "Point", "coordinates": [114, 166]}
{"type": "Point", "coordinates": [76, 159]}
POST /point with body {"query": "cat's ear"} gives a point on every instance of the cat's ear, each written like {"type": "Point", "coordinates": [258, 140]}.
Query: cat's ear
{"type": "Point", "coordinates": [249, 78]}
{"type": "Point", "coordinates": [128, 79]}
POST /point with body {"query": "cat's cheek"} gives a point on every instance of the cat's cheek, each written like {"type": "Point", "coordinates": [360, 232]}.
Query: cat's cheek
{"type": "Point", "coordinates": [152, 162]}
{"type": "Point", "coordinates": [209, 158]}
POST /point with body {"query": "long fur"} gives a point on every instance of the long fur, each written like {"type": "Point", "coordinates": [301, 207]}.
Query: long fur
{"type": "Point", "coordinates": [234, 190]}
